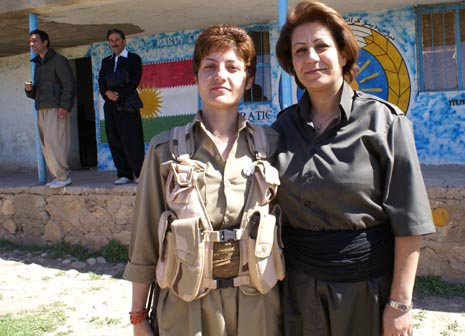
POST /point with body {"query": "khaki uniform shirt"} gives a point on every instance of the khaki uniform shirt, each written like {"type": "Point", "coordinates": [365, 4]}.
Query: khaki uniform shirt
{"type": "Point", "coordinates": [223, 187]}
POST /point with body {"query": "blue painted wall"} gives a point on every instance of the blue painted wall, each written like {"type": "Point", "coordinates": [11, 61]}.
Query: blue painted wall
{"type": "Point", "coordinates": [389, 69]}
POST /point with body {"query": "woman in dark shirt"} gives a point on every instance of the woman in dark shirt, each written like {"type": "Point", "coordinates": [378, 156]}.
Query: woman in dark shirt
{"type": "Point", "coordinates": [353, 197]}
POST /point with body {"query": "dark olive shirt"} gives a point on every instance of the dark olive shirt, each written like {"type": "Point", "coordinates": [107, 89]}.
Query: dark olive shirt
{"type": "Point", "coordinates": [362, 171]}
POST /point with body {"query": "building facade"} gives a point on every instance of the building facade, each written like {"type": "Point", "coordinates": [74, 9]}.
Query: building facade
{"type": "Point", "coordinates": [410, 56]}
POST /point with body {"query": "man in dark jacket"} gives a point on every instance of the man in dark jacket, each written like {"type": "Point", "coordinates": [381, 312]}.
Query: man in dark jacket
{"type": "Point", "coordinates": [54, 90]}
{"type": "Point", "coordinates": [119, 77]}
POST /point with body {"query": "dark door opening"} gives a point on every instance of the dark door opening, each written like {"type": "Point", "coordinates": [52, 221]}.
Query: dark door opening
{"type": "Point", "coordinates": [86, 113]}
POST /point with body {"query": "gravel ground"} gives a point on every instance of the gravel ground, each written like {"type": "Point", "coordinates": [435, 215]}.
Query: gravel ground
{"type": "Point", "coordinates": [96, 300]}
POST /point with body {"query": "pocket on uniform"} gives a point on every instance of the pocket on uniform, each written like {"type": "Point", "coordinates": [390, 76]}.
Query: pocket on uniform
{"type": "Point", "coordinates": [190, 254]}
{"type": "Point", "coordinates": [186, 240]}
{"type": "Point", "coordinates": [262, 270]}
{"type": "Point", "coordinates": [166, 265]}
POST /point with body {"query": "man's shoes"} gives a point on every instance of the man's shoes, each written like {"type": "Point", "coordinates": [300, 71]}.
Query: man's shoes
{"type": "Point", "coordinates": [122, 180]}
{"type": "Point", "coordinates": [56, 183]}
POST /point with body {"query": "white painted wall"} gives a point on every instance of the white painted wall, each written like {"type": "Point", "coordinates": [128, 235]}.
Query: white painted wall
{"type": "Point", "coordinates": [17, 129]}
{"type": "Point", "coordinates": [17, 124]}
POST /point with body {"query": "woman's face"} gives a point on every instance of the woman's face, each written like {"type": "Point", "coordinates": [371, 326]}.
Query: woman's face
{"type": "Point", "coordinates": [316, 59]}
{"type": "Point", "coordinates": [222, 80]}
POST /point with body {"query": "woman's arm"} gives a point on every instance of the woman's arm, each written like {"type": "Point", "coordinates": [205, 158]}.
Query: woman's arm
{"type": "Point", "coordinates": [139, 301]}
{"type": "Point", "coordinates": [407, 252]}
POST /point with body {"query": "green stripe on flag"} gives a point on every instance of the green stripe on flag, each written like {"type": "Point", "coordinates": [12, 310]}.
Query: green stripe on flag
{"type": "Point", "coordinates": [153, 126]}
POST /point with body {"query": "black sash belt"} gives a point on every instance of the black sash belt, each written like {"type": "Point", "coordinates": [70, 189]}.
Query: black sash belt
{"type": "Point", "coordinates": [345, 256]}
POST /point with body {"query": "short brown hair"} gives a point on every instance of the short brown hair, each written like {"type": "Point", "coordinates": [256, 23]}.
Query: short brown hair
{"type": "Point", "coordinates": [315, 11]}
{"type": "Point", "coordinates": [222, 38]}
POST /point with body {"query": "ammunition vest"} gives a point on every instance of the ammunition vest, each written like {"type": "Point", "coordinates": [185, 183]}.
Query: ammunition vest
{"type": "Point", "coordinates": [188, 244]}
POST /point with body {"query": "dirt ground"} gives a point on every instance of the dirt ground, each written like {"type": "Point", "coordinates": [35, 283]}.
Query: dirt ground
{"type": "Point", "coordinates": [96, 300]}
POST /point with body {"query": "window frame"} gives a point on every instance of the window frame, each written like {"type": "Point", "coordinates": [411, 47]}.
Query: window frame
{"type": "Point", "coordinates": [421, 10]}
{"type": "Point", "coordinates": [267, 78]}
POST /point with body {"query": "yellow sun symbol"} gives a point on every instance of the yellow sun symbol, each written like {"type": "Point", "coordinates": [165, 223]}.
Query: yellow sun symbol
{"type": "Point", "coordinates": [152, 100]}
{"type": "Point", "coordinates": [355, 82]}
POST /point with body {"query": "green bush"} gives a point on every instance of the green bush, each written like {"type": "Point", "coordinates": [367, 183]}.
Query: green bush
{"type": "Point", "coordinates": [115, 252]}
{"type": "Point", "coordinates": [435, 286]}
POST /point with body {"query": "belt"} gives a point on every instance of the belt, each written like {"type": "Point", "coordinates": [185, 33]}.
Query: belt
{"type": "Point", "coordinates": [346, 256]}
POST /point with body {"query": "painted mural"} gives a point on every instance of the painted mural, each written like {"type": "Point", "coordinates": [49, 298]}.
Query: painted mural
{"type": "Point", "coordinates": [167, 87]}
{"type": "Point", "coordinates": [388, 65]}
{"type": "Point", "coordinates": [383, 71]}
{"type": "Point", "coordinates": [388, 69]}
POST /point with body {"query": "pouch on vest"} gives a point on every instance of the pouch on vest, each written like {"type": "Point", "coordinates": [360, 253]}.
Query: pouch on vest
{"type": "Point", "coordinates": [166, 265]}
{"type": "Point", "coordinates": [267, 181]}
{"type": "Point", "coordinates": [262, 245]}
{"type": "Point", "coordinates": [180, 188]}
{"type": "Point", "coordinates": [190, 254]}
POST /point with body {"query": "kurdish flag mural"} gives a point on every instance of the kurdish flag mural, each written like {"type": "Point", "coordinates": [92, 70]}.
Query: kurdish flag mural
{"type": "Point", "coordinates": [169, 94]}
{"type": "Point", "coordinates": [167, 87]}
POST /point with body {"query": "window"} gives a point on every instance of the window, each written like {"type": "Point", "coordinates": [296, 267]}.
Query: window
{"type": "Point", "coordinates": [441, 45]}
{"type": "Point", "coordinates": [261, 87]}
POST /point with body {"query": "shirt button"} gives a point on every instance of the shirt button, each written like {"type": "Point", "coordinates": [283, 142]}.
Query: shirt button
{"type": "Point", "coordinates": [217, 157]}
{"type": "Point", "coordinates": [308, 204]}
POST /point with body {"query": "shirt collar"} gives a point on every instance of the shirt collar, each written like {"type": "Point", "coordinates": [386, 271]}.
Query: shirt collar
{"type": "Point", "coordinates": [124, 54]}
{"type": "Point", "coordinates": [347, 99]}
{"type": "Point", "coordinates": [345, 105]}
{"type": "Point", "coordinates": [242, 122]}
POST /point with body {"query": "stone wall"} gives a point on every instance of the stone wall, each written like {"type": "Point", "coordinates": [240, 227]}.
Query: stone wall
{"type": "Point", "coordinates": [91, 217]}
{"type": "Point", "coordinates": [443, 253]}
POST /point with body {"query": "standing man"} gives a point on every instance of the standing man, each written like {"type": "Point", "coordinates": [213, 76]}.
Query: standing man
{"type": "Point", "coordinates": [119, 77]}
{"type": "Point", "coordinates": [54, 90]}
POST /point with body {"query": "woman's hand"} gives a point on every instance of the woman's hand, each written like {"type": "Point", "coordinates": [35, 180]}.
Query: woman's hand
{"type": "Point", "coordinates": [142, 329]}
{"type": "Point", "coordinates": [396, 322]}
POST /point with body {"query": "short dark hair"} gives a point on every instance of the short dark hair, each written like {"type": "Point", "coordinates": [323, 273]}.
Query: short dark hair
{"type": "Point", "coordinates": [315, 11]}
{"type": "Point", "coordinates": [43, 36]}
{"type": "Point", "coordinates": [116, 31]}
{"type": "Point", "coordinates": [221, 38]}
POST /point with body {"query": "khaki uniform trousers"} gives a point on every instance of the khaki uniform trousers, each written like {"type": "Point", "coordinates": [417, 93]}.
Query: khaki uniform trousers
{"type": "Point", "coordinates": [54, 139]}
{"type": "Point", "coordinates": [222, 312]}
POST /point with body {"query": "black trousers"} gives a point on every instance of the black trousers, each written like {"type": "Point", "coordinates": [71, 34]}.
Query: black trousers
{"type": "Point", "coordinates": [126, 139]}
{"type": "Point", "coordinates": [323, 308]}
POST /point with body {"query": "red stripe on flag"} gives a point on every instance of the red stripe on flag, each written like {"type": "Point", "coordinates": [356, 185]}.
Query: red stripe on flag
{"type": "Point", "coordinates": [167, 74]}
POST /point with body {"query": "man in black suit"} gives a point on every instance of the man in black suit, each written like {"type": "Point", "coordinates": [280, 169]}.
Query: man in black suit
{"type": "Point", "coordinates": [119, 77]}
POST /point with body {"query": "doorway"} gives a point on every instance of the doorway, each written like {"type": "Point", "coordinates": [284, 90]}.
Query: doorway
{"type": "Point", "coordinates": [85, 113]}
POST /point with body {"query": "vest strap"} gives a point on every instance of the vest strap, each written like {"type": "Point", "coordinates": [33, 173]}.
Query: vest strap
{"type": "Point", "coordinates": [182, 142]}
{"type": "Point", "coordinates": [243, 280]}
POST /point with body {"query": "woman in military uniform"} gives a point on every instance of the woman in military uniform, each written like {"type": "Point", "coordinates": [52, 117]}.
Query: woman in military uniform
{"type": "Point", "coordinates": [352, 193]}
{"type": "Point", "coordinates": [222, 301]}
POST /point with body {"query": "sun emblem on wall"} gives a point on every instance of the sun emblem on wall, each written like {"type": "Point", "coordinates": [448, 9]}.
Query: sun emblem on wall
{"type": "Point", "coordinates": [383, 70]}
{"type": "Point", "coordinates": [152, 99]}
